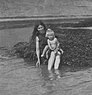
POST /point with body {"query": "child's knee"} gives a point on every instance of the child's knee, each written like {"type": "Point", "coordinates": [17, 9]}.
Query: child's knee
{"type": "Point", "coordinates": [49, 68]}
{"type": "Point", "coordinates": [56, 66]}
{"type": "Point", "coordinates": [57, 62]}
{"type": "Point", "coordinates": [50, 64]}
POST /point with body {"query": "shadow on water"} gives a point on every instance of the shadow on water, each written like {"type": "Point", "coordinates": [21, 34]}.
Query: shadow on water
{"type": "Point", "coordinates": [44, 73]}
{"type": "Point", "coordinates": [55, 74]}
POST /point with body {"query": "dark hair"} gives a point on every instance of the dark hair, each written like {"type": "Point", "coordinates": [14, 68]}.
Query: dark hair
{"type": "Point", "coordinates": [36, 32]}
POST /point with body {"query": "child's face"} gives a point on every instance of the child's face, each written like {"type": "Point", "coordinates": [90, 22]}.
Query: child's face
{"type": "Point", "coordinates": [50, 37]}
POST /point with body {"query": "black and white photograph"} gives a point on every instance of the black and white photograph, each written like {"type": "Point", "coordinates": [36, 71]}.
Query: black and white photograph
{"type": "Point", "coordinates": [45, 47]}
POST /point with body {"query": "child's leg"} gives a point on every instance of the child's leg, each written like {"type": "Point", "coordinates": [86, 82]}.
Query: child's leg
{"type": "Point", "coordinates": [51, 74]}
{"type": "Point", "coordinates": [51, 60]}
{"type": "Point", "coordinates": [57, 72]}
{"type": "Point", "coordinates": [57, 61]}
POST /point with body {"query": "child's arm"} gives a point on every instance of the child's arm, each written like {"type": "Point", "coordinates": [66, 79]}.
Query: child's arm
{"type": "Point", "coordinates": [61, 50]}
{"type": "Point", "coordinates": [44, 51]}
{"type": "Point", "coordinates": [37, 51]}
{"type": "Point", "coordinates": [58, 46]}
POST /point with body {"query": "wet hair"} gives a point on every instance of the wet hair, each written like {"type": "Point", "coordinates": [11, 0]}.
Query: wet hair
{"type": "Point", "coordinates": [36, 32]}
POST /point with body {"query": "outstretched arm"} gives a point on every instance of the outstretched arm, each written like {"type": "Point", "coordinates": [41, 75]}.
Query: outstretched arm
{"type": "Point", "coordinates": [44, 51]}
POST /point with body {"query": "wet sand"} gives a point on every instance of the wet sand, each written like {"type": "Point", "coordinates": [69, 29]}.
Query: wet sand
{"type": "Point", "coordinates": [18, 78]}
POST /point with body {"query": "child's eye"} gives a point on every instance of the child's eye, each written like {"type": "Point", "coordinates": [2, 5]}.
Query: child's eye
{"type": "Point", "coordinates": [40, 28]}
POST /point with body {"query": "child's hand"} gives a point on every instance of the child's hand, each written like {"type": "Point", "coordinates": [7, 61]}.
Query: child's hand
{"type": "Point", "coordinates": [38, 63]}
{"type": "Point", "coordinates": [62, 51]}
{"type": "Point", "coordinates": [42, 55]}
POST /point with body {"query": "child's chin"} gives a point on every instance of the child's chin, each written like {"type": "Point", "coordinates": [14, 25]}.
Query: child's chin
{"type": "Point", "coordinates": [51, 38]}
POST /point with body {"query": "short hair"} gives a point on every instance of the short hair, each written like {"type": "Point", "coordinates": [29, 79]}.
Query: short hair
{"type": "Point", "coordinates": [49, 32]}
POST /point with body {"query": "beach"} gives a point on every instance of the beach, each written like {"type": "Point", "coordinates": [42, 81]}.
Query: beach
{"type": "Point", "coordinates": [19, 78]}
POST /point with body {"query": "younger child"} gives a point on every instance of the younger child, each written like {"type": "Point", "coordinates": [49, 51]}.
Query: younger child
{"type": "Point", "coordinates": [54, 47]}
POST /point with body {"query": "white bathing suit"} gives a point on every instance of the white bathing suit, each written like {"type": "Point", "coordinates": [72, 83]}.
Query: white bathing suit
{"type": "Point", "coordinates": [54, 44]}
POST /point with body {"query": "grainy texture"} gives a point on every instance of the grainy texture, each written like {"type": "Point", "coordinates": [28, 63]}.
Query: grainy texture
{"type": "Point", "coordinates": [76, 43]}
{"type": "Point", "coordinates": [9, 8]}
{"type": "Point", "coordinates": [17, 78]}
{"type": "Point", "coordinates": [77, 46]}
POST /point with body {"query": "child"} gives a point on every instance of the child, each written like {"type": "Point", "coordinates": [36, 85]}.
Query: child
{"type": "Point", "coordinates": [53, 46]}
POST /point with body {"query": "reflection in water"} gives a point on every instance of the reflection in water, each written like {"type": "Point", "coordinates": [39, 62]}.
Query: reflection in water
{"type": "Point", "coordinates": [53, 74]}
{"type": "Point", "coordinates": [48, 79]}
{"type": "Point", "coordinates": [49, 75]}
{"type": "Point", "coordinates": [57, 72]}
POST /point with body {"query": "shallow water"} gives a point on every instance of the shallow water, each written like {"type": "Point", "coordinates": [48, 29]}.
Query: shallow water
{"type": "Point", "coordinates": [19, 78]}
{"type": "Point", "coordinates": [10, 37]}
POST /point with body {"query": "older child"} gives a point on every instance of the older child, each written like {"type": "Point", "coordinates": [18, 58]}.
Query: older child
{"type": "Point", "coordinates": [53, 46]}
{"type": "Point", "coordinates": [37, 43]}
